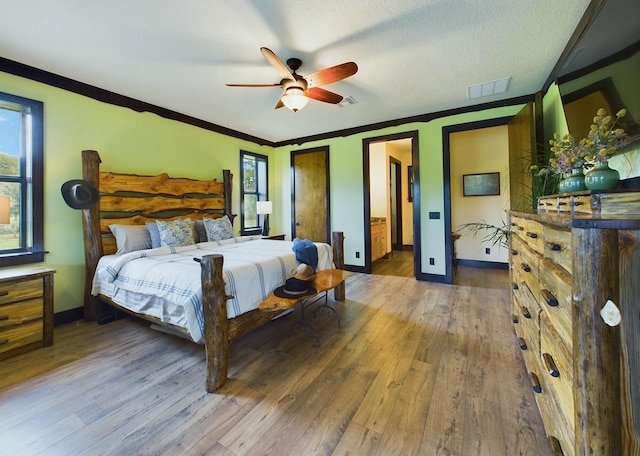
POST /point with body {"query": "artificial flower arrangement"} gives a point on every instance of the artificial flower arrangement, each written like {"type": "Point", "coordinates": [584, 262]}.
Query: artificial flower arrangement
{"type": "Point", "coordinates": [602, 142]}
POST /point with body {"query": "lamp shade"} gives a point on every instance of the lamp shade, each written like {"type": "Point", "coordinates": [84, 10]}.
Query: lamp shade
{"type": "Point", "coordinates": [5, 210]}
{"type": "Point", "coordinates": [294, 99]}
{"type": "Point", "coordinates": [264, 207]}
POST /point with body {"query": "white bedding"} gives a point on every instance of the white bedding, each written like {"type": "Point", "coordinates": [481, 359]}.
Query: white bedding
{"type": "Point", "coordinates": [165, 282]}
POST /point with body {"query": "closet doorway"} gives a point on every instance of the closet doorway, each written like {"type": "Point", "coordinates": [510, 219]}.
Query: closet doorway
{"type": "Point", "coordinates": [389, 209]}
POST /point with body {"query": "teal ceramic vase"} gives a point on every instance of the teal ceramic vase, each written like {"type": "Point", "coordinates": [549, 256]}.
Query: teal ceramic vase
{"type": "Point", "coordinates": [601, 177]}
{"type": "Point", "coordinates": [573, 182]}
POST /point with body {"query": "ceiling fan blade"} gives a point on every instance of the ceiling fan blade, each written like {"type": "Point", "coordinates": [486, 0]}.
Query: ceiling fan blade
{"type": "Point", "coordinates": [253, 85]}
{"type": "Point", "coordinates": [280, 104]}
{"type": "Point", "coordinates": [323, 95]}
{"type": "Point", "coordinates": [275, 62]}
{"type": "Point", "coordinates": [331, 74]}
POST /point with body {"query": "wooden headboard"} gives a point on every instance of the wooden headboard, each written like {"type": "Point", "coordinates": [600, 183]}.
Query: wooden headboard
{"type": "Point", "coordinates": [131, 199]}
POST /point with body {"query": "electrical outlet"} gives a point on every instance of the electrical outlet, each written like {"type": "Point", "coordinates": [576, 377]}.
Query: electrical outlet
{"type": "Point", "coordinates": [357, 254]}
{"type": "Point", "coordinates": [432, 261]}
{"type": "Point", "coordinates": [487, 251]}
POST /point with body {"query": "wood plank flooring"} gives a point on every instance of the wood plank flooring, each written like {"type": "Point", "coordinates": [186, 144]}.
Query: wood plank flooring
{"type": "Point", "coordinates": [415, 369]}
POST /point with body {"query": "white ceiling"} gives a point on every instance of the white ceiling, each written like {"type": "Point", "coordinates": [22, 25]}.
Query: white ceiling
{"type": "Point", "coordinates": [414, 56]}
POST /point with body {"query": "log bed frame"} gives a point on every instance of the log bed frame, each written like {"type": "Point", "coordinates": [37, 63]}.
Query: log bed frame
{"type": "Point", "coordinates": [133, 199]}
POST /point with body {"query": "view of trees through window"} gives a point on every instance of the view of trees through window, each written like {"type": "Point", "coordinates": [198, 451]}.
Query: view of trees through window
{"type": "Point", "coordinates": [10, 185]}
{"type": "Point", "coordinates": [21, 180]}
{"type": "Point", "coordinates": [254, 188]}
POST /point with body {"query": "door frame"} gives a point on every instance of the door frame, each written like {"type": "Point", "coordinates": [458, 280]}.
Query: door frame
{"type": "Point", "coordinates": [324, 149]}
{"type": "Point", "coordinates": [446, 170]}
{"type": "Point", "coordinates": [398, 172]}
{"type": "Point", "coordinates": [366, 191]}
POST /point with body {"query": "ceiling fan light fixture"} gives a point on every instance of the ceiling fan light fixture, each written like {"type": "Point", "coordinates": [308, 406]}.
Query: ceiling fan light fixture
{"type": "Point", "coordinates": [294, 99]}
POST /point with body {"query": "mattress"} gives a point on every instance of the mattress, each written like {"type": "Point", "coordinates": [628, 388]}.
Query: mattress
{"type": "Point", "coordinates": [165, 282]}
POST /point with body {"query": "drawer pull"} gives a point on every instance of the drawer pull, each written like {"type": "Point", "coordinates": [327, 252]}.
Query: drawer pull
{"type": "Point", "coordinates": [525, 267]}
{"type": "Point", "coordinates": [551, 365]}
{"type": "Point", "coordinates": [535, 383]}
{"type": "Point", "coordinates": [523, 344]}
{"type": "Point", "coordinates": [578, 203]}
{"type": "Point", "coordinates": [4, 293]}
{"type": "Point", "coordinates": [514, 252]}
{"type": "Point", "coordinates": [532, 235]}
{"type": "Point", "coordinates": [556, 449]}
{"type": "Point", "coordinates": [4, 317]}
{"type": "Point", "coordinates": [525, 312]}
{"type": "Point", "coordinates": [520, 228]}
{"type": "Point", "coordinates": [514, 285]}
{"type": "Point", "coordinates": [549, 298]}
{"type": "Point", "coordinates": [556, 247]}
{"type": "Point", "coordinates": [4, 341]}
{"type": "Point", "coordinates": [514, 318]}
{"type": "Point", "coordinates": [562, 203]}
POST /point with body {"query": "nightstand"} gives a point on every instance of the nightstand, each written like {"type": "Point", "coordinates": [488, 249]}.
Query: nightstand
{"type": "Point", "coordinates": [274, 237]}
{"type": "Point", "coordinates": [26, 310]}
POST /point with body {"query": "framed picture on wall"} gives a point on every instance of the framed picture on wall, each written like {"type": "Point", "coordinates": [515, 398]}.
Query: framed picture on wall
{"type": "Point", "coordinates": [481, 184]}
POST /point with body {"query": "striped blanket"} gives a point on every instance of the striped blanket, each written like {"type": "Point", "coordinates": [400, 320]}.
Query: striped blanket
{"type": "Point", "coordinates": [165, 282]}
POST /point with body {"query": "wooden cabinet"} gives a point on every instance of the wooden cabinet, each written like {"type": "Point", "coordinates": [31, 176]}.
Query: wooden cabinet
{"type": "Point", "coordinates": [26, 310]}
{"type": "Point", "coordinates": [566, 262]}
{"type": "Point", "coordinates": [378, 238]}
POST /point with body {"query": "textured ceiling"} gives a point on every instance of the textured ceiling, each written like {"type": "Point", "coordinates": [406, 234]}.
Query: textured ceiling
{"type": "Point", "coordinates": [414, 56]}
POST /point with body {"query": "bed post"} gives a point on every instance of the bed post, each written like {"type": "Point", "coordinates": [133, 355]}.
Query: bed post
{"type": "Point", "coordinates": [92, 238]}
{"type": "Point", "coordinates": [337, 241]}
{"type": "Point", "coordinates": [227, 179]}
{"type": "Point", "coordinates": [216, 333]}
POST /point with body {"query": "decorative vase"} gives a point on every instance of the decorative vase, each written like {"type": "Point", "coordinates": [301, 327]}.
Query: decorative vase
{"type": "Point", "coordinates": [601, 177]}
{"type": "Point", "coordinates": [574, 182]}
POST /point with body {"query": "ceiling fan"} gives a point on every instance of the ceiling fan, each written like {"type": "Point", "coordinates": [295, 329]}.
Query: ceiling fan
{"type": "Point", "coordinates": [298, 89]}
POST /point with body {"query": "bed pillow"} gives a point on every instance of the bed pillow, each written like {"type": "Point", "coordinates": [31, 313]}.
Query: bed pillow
{"type": "Point", "coordinates": [201, 232]}
{"type": "Point", "coordinates": [175, 233]}
{"type": "Point", "coordinates": [130, 237]}
{"type": "Point", "coordinates": [154, 234]}
{"type": "Point", "coordinates": [218, 229]}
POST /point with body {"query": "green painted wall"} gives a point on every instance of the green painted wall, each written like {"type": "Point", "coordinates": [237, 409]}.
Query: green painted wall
{"type": "Point", "coordinates": [144, 143]}
{"type": "Point", "coordinates": [128, 142]}
{"type": "Point", "coordinates": [347, 197]}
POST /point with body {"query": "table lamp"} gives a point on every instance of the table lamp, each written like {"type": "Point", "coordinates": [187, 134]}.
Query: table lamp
{"type": "Point", "coordinates": [264, 208]}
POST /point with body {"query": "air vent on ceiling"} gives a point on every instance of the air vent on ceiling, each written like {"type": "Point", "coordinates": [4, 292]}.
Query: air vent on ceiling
{"type": "Point", "coordinates": [488, 88]}
{"type": "Point", "coordinates": [347, 101]}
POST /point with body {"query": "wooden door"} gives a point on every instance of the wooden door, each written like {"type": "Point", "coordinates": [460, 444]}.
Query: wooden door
{"type": "Point", "coordinates": [310, 194]}
{"type": "Point", "coordinates": [521, 156]}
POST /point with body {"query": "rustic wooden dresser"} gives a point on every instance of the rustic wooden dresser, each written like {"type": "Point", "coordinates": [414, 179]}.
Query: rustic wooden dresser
{"type": "Point", "coordinates": [26, 310]}
{"type": "Point", "coordinates": [580, 251]}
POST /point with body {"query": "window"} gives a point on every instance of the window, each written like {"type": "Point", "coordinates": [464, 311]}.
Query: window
{"type": "Point", "coordinates": [253, 174]}
{"type": "Point", "coordinates": [21, 181]}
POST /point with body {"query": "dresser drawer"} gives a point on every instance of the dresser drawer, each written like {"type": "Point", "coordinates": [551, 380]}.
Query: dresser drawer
{"type": "Point", "coordinates": [557, 246]}
{"type": "Point", "coordinates": [18, 291]}
{"type": "Point", "coordinates": [555, 298]}
{"type": "Point", "coordinates": [525, 264]}
{"type": "Point", "coordinates": [557, 362]}
{"type": "Point", "coordinates": [530, 231]}
{"type": "Point", "coordinates": [21, 335]}
{"type": "Point", "coordinates": [528, 313]}
{"type": "Point", "coordinates": [20, 313]}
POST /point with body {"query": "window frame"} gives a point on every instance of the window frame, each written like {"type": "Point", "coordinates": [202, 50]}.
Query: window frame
{"type": "Point", "coordinates": [262, 191]}
{"type": "Point", "coordinates": [31, 174]}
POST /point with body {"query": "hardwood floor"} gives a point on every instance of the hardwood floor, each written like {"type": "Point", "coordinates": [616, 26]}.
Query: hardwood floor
{"type": "Point", "coordinates": [415, 369]}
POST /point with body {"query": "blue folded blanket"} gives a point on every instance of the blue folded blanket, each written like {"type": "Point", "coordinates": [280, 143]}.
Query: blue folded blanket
{"type": "Point", "coordinates": [306, 252]}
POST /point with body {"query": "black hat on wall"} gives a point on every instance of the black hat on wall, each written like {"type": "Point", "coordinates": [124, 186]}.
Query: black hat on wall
{"type": "Point", "coordinates": [79, 194]}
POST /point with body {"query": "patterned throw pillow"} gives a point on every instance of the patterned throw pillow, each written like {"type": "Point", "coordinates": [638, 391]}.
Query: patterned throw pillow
{"type": "Point", "coordinates": [175, 233]}
{"type": "Point", "coordinates": [218, 229]}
